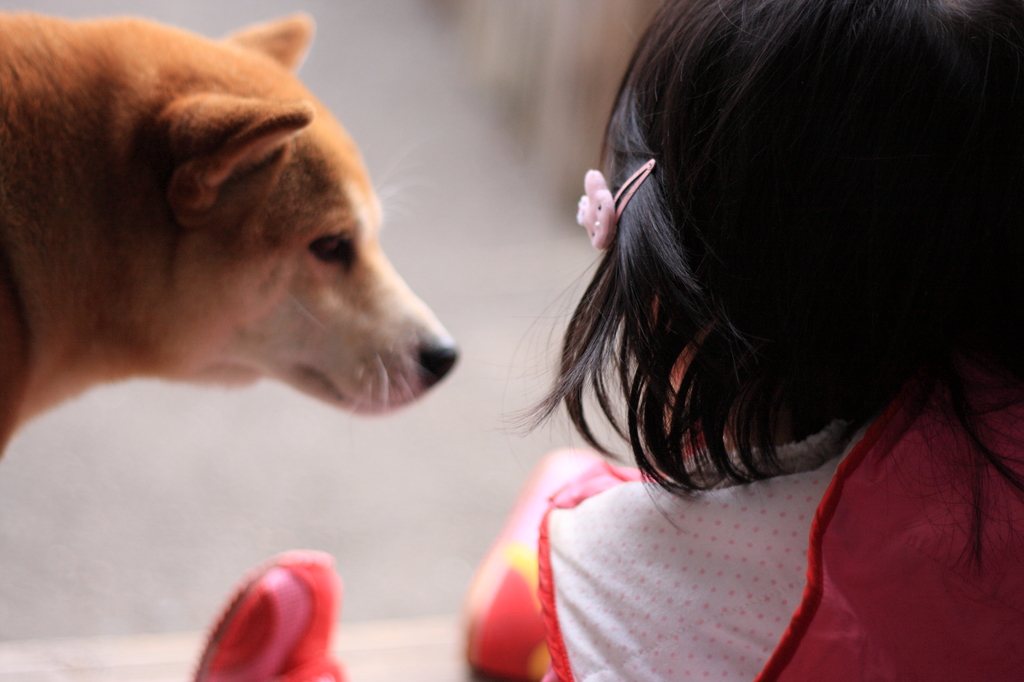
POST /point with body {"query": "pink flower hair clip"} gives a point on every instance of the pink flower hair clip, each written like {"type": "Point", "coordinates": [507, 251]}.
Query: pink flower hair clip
{"type": "Point", "coordinates": [599, 211]}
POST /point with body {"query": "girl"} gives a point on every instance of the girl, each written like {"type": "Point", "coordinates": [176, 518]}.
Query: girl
{"type": "Point", "coordinates": [805, 323]}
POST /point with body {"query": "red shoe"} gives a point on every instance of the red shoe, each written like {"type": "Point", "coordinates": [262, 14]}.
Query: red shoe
{"type": "Point", "coordinates": [278, 626]}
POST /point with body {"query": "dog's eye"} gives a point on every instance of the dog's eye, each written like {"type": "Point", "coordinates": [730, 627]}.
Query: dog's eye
{"type": "Point", "coordinates": [334, 249]}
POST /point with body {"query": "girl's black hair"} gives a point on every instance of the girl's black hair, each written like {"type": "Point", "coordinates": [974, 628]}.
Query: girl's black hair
{"type": "Point", "coordinates": [837, 208]}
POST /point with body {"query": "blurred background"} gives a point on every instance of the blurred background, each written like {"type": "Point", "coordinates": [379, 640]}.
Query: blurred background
{"type": "Point", "coordinates": [136, 507]}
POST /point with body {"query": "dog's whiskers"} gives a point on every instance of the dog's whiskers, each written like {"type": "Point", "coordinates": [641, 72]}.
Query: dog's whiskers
{"type": "Point", "coordinates": [385, 380]}
{"type": "Point", "coordinates": [313, 318]}
{"type": "Point", "coordinates": [393, 381]}
{"type": "Point", "coordinates": [403, 157]}
{"type": "Point", "coordinates": [407, 392]}
{"type": "Point", "coordinates": [366, 397]}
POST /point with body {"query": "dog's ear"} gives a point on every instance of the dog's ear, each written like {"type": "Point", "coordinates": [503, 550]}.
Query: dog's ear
{"type": "Point", "coordinates": [286, 40]}
{"type": "Point", "coordinates": [214, 138]}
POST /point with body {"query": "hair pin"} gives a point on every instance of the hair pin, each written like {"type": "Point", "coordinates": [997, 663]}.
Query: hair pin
{"type": "Point", "coordinates": [599, 212]}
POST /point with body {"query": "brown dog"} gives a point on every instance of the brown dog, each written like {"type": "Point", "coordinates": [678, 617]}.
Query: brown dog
{"type": "Point", "coordinates": [178, 207]}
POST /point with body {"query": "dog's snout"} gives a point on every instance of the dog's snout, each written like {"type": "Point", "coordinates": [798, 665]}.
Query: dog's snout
{"type": "Point", "coordinates": [437, 360]}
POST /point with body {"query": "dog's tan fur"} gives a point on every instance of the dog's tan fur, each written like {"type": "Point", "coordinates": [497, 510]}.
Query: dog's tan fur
{"type": "Point", "coordinates": [159, 196]}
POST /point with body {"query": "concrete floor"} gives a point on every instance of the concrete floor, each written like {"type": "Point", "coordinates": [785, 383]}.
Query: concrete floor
{"type": "Point", "coordinates": [136, 507]}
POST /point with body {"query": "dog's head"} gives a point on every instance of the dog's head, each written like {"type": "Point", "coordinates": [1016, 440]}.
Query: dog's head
{"type": "Point", "coordinates": [277, 258]}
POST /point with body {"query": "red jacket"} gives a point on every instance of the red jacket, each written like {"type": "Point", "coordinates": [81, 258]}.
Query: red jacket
{"type": "Point", "coordinates": [894, 590]}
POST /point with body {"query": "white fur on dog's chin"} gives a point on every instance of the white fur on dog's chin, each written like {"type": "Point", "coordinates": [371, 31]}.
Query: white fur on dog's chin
{"type": "Point", "coordinates": [377, 395]}
{"type": "Point", "coordinates": [377, 384]}
{"type": "Point", "coordinates": [383, 389]}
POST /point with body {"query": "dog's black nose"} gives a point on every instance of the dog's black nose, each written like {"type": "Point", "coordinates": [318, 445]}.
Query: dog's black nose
{"type": "Point", "coordinates": [437, 360]}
